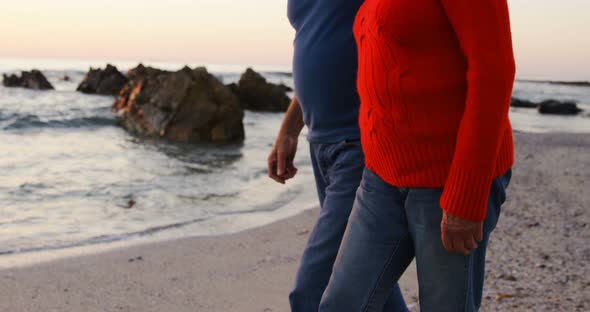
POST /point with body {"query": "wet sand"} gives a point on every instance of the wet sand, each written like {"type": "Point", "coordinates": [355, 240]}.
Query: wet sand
{"type": "Point", "coordinates": [538, 257]}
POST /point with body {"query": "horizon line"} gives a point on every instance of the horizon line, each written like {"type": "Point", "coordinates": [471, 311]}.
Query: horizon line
{"type": "Point", "coordinates": [280, 68]}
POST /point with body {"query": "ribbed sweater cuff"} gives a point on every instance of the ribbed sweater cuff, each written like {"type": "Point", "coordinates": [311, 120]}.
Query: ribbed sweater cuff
{"type": "Point", "coordinates": [466, 194]}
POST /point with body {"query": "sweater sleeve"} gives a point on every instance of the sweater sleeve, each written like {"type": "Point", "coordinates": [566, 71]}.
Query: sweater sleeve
{"type": "Point", "coordinates": [482, 28]}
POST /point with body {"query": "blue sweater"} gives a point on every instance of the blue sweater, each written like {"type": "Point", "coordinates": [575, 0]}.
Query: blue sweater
{"type": "Point", "coordinates": [325, 66]}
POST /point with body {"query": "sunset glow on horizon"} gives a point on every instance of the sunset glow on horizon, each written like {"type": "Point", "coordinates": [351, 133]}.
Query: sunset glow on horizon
{"type": "Point", "coordinates": [551, 38]}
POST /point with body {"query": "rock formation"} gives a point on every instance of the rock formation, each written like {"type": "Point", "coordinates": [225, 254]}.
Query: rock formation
{"type": "Point", "coordinates": [559, 108]}
{"type": "Point", "coordinates": [108, 81]}
{"type": "Point", "coordinates": [30, 80]}
{"type": "Point", "coordinates": [187, 105]}
{"type": "Point", "coordinates": [516, 102]}
{"type": "Point", "coordinates": [553, 107]}
{"type": "Point", "coordinates": [256, 94]}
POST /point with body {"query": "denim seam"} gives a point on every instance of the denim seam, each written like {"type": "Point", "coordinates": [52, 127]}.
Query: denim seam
{"type": "Point", "coordinates": [387, 264]}
{"type": "Point", "coordinates": [324, 164]}
{"type": "Point", "coordinates": [468, 282]}
{"type": "Point", "coordinates": [320, 159]}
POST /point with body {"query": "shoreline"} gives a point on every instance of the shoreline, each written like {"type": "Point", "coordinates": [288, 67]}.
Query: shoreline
{"type": "Point", "coordinates": [226, 224]}
{"type": "Point", "coordinates": [245, 271]}
{"type": "Point", "coordinates": [537, 259]}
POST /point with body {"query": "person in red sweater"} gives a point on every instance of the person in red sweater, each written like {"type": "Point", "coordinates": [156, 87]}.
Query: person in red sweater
{"type": "Point", "coordinates": [435, 79]}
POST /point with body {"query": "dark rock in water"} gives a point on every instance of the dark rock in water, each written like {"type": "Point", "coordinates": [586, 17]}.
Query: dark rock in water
{"type": "Point", "coordinates": [557, 82]}
{"type": "Point", "coordinates": [187, 105]}
{"type": "Point", "coordinates": [281, 73]}
{"type": "Point", "coordinates": [572, 83]}
{"type": "Point", "coordinates": [255, 93]}
{"type": "Point", "coordinates": [554, 107]}
{"type": "Point", "coordinates": [559, 108]}
{"type": "Point", "coordinates": [30, 80]}
{"type": "Point", "coordinates": [233, 87]}
{"type": "Point", "coordinates": [516, 102]}
{"type": "Point", "coordinates": [108, 81]}
{"type": "Point", "coordinates": [11, 81]}
{"type": "Point", "coordinates": [142, 71]}
{"type": "Point", "coordinates": [286, 88]}
{"type": "Point", "coordinates": [65, 78]}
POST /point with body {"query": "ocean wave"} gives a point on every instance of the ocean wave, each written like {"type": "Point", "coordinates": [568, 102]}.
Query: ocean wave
{"type": "Point", "coordinates": [279, 202]}
{"type": "Point", "coordinates": [29, 121]}
{"type": "Point", "coordinates": [101, 239]}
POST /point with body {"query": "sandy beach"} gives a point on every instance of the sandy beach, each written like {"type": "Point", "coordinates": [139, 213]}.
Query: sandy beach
{"type": "Point", "coordinates": [538, 257]}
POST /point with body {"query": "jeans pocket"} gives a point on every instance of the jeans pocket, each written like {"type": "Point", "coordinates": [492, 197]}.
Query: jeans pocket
{"type": "Point", "coordinates": [496, 200]}
{"type": "Point", "coordinates": [369, 183]}
{"type": "Point", "coordinates": [500, 184]}
{"type": "Point", "coordinates": [348, 153]}
{"type": "Point", "coordinates": [423, 207]}
{"type": "Point", "coordinates": [351, 142]}
{"type": "Point", "coordinates": [506, 178]}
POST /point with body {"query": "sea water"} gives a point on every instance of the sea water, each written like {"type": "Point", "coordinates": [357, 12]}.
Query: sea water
{"type": "Point", "coordinates": [71, 177]}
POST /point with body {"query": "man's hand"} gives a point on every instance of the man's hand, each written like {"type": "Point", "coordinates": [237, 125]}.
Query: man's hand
{"type": "Point", "coordinates": [280, 160]}
{"type": "Point", "coordinates": [460, 235]}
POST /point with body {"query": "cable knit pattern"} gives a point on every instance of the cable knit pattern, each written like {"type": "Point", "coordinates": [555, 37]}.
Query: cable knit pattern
{"type": "Point", "coordinates": [435, 80]}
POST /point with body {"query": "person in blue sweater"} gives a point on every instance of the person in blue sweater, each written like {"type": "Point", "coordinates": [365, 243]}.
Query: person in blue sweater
{"type": "Point", "coordinates": [324, 73]}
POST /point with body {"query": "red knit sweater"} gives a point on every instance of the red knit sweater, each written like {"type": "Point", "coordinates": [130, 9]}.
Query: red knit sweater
{"type": "Point", "coordinates": [435, 80]}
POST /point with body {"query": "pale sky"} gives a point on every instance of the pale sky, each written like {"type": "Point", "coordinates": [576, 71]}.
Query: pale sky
{"type": "Point", "coordinates": [551, 37]}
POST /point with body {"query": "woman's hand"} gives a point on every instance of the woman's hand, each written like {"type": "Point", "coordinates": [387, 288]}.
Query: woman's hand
{"type": "Point", "coordinates": [460, 235]}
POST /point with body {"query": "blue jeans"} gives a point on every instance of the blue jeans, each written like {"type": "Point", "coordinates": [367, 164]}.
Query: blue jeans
{"type": "Point", "coordinates": [338, 170]}
{"type": "Point", "coordinates": [388, 227]}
